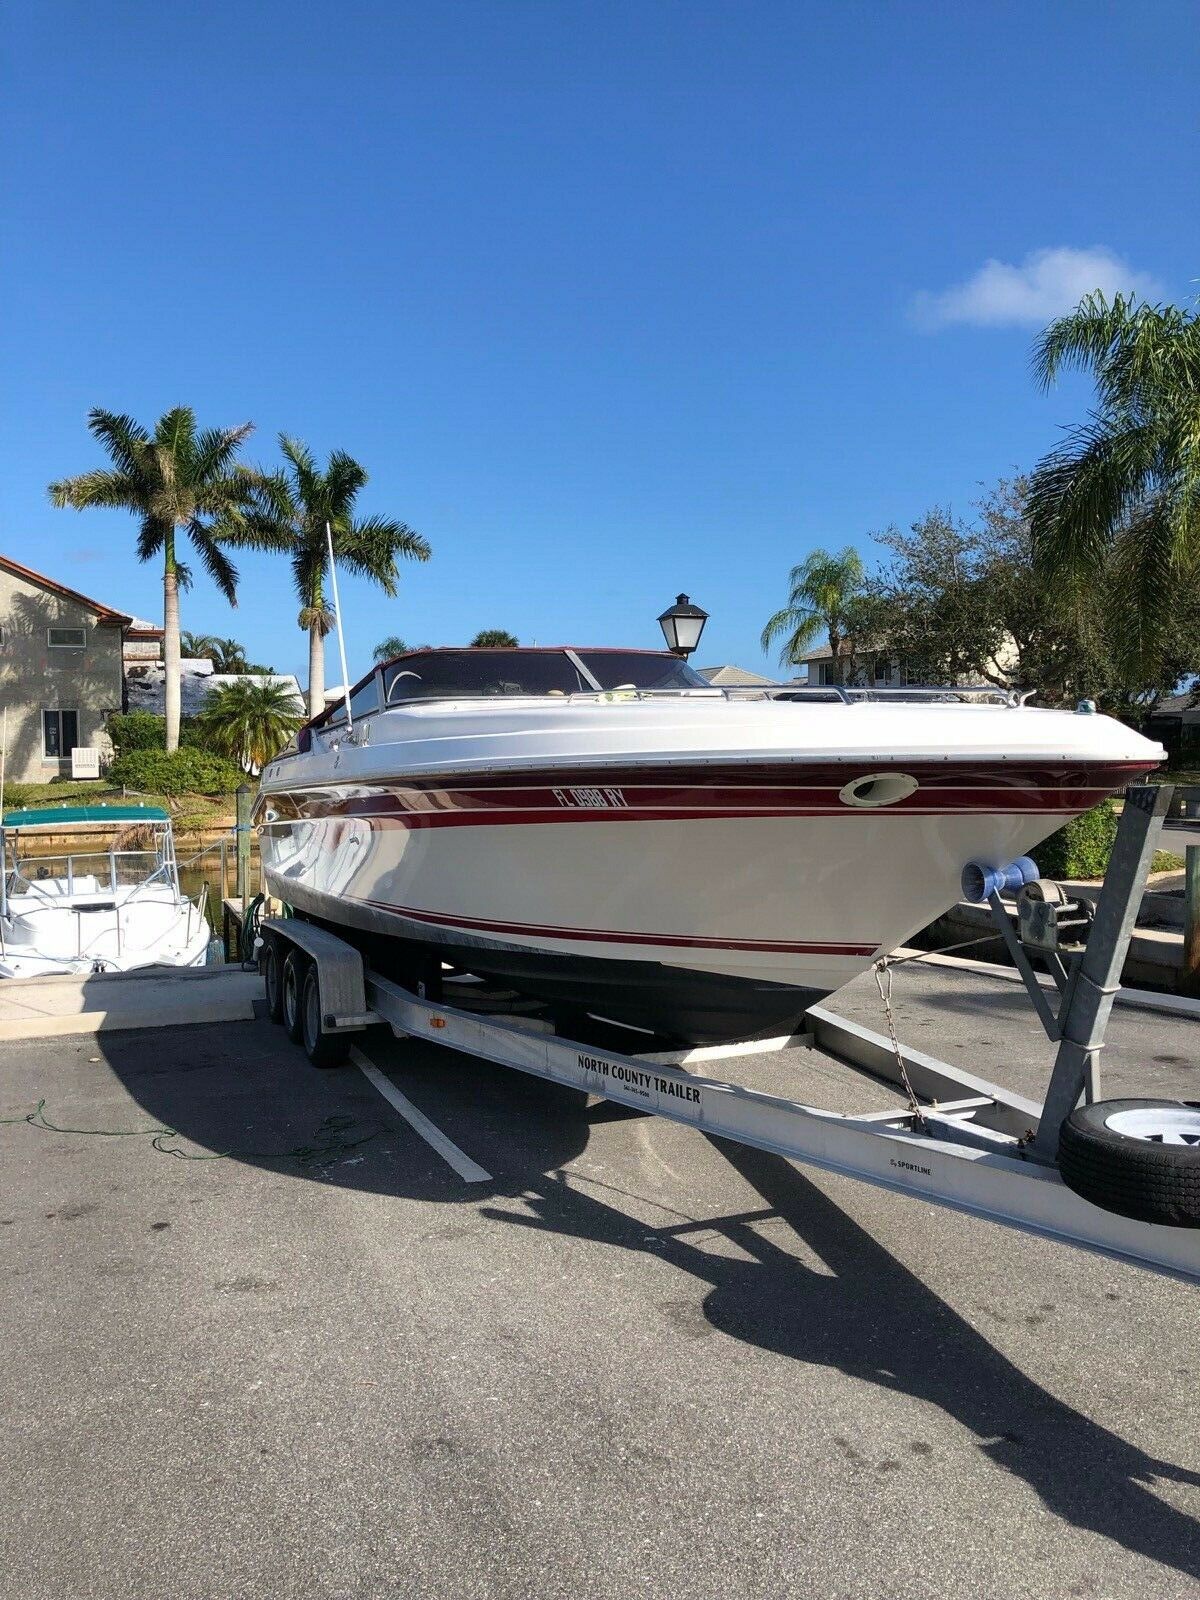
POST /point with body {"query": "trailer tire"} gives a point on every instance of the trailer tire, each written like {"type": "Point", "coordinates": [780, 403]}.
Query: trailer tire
{"type": "Point", "coordinates": [1138, 1158]}
{"type": "Point", "coordinates": [322, 1049]}
{"type": "Point", "coordinates": [295, 964]}
{"type": "Point", "coordinates": [272, 973]}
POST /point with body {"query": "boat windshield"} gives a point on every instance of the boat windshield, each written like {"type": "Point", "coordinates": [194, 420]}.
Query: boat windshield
{"type": "Point", "coordinates": [644, 669]}
{"type": "Point", "coordinates": [448, 674]}
{"type": "Point", "coordinates": [94, 860]}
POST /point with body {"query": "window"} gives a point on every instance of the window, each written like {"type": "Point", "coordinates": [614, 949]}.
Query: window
{"type": "Point", "coordinates": [60, 734]}
{"type": "Point", "coordinates": [470, 674]}
{"type": "Point", "coordinates": [644, 669]}
{"type": "Point", "coordinates": [365, 698]}
{"type": "Point", "coordinates": [66, 638]}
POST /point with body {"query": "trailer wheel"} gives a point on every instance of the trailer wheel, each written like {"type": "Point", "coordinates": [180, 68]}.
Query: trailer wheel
{"type": "Point", "coordinates": [272, 971]}
{"type": "Point", "coordinates": [294, 967]}
{"type": "Point", "coordinates": [1139, 1158]}
{"type": "Point", "coordinates": [323, 1049]}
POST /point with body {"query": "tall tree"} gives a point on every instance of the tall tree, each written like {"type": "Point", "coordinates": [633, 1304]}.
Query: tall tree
{"type": "Point", "coordinates": [393, 645]}
{"type": "Point", "coordinates": [228, 655]}
{"type": "Point", "coordinates": [494, 639]}
{"type": "Point", "coordinates": [964, 601]}
{"type": "Point", "coordinates": [176, 480]}
{"type": "Point", "coordinates": [1124, 488]}
{"type": "Point", "coordinates": [293, 508]}
{"type": "Point", "coordinates": [822, 592]}
{"type": "Point", "coordinates": [933, 612]}
{"type": "Point", "coordinates": [250, 722]}
{"type": "Point", "coordinates": [196, 646]}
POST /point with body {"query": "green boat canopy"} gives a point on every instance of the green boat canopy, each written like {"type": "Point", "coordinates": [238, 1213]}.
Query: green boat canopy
{"type": "Point", "coordinates": [51, 817]}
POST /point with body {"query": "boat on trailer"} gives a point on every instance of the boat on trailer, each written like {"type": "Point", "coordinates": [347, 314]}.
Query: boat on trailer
{"type": "Point", "coordinates": [604, 830]}
{"type": "Point", "coordinates": [108, 899]}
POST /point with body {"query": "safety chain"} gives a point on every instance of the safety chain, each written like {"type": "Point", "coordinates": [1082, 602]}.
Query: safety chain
{"type": "Point", "coordinates": [883, 982]}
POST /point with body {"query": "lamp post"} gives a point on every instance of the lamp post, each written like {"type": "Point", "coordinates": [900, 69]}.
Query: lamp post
{"type": "Point", "coordinates": [682, 626]}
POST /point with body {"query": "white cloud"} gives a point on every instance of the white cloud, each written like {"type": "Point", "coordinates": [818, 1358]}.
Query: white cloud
{"type": "Point", "coordinates": [1046, 284]}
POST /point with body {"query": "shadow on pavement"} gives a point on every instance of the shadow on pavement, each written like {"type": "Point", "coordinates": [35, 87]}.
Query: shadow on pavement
{"type": "Point", "coordinates": [875, 1320]}
{"type": "Point", "coordinates": [245, 1090]}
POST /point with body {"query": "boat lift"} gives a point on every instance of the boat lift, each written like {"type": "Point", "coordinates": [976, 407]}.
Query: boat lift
{"type": "Point", "coordinates": [960, 1142]}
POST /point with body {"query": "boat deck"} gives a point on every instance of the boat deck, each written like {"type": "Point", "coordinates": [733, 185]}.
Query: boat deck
{"type": "Point", "coordinates": [678, 1364]}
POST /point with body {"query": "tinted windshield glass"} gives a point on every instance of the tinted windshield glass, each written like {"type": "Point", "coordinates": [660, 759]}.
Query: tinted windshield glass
{"type": "Point", "coordinates": [644, 669]}
{"type": "Point", "coordinates": [365, 699]}
{"type": "Point", "coordinates": [442, 674]}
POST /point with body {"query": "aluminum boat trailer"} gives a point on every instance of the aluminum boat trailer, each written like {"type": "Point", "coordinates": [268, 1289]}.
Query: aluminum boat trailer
{"type": "Point", "coordinates": [960, 1142]}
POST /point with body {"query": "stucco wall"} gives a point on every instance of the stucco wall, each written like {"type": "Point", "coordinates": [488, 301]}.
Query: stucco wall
{"type": "Point", "coordinates": [35, 678]}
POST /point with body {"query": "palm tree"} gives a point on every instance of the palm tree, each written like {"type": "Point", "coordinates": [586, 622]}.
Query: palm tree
{"type": "Point", "coordinates": [176, 481]}
{"type": "Point", "coordinates": [494, 639]}
{"type": "Point", "coordinates": [821, 594]}
{"type": "Point", "coordinates": [196, 646]}
{"type": "Point", "coordinates": [293, 508]}
{"type": "Point", "coordinates": [393, 645]}
{"type": "Point", "coordinates": [228, 656]}
{"type": "Point", "coordinates": [1123, 490]}
{"type": "Point", "coordinates": [250, 722]}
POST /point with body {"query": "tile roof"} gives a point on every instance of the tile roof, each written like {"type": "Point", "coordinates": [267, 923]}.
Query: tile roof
{"type": "Point", "coordinates": [145, 684]}
{"type": "Point", "coordinates": [730, 677]}
{"type": "Point", "coordinates": [106, 614]}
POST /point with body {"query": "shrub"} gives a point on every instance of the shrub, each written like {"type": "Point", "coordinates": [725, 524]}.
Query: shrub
{"type": "Point", "coordinates": [136, 730]}
{"type": "Point", "coordinates": [184, 771]}
{"type": "Point", "coordinates": [1081, 848]}
{"type": "Point", "coordinates": [143, 730]}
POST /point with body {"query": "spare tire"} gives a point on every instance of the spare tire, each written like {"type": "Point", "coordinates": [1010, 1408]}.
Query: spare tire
{"type": "Point", "coordinates": [1138, 1158]}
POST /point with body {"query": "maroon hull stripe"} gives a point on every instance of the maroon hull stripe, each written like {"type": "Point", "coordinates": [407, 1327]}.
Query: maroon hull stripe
{"type": "Point", "coordinates": [942, 790]}
{"type": "Point", "coordinates": [369, 812]}
{"type": "Point", "coordinates": [614, 936]}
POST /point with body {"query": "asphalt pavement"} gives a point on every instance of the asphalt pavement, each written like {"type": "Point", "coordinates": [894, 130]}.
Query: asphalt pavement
{"type": "Point", "coordinates": [286, 1350]}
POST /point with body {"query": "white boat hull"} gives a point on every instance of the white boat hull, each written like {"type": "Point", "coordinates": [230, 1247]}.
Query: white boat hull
{"type": "Point", "coordinates": [84, 933]}
{"type": "Point", "coordinates": [705, 905]}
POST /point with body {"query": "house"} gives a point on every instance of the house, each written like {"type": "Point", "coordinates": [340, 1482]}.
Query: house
{"type": "Point", "coordinates": [736, 678]}
{"type": "Point", "coordinates": [145, 683]}
{"type": "Point", "coordinates": [61, 671]}
{"type": "Point", "coordinates": [145, 674]}
{"type": "Point", "coordinates": [1175, 721]}
{"type": "Point", "coordinates": [67, 663]}
{"type": "Point", "coordinates": [873, 670]}
{"type": "Point", "coordinates": [869, 669]}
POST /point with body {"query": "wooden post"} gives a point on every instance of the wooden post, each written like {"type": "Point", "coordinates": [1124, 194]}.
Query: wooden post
{"type": "Point", "coordinates": [245, 800]}
{"type": "Point", "coordinates": [1191, 919]}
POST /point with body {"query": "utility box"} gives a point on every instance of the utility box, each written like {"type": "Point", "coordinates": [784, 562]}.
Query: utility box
{"type": "Point", "coordinates": [85, 761]}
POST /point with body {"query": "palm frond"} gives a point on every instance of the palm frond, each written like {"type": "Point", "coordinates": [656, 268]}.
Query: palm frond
{"type": "Point", "coordinates": [216, 450]}
{"type": "Point", "coordinates": [404, 542]}
{"type": "Point", "coordinates": [120, 491]}
{"type": "Point", "coordinates": [305, 474]}
{"type": "Point", "coordinates": [123, 438]}
{"type": "Point", "coordinates": [344, 477]}
{"type": "Point", "coordinates": [151, 537]}
{"type": "Point", "coordinates": [1144, 568]}
{"type": "Point", "coordinates": [214, 560]}
{"type": "Point", "coordinates": [175, 432]}
{"type": "Point", "coordinates": [797, 627]}
{"type": "Point", "coordinates": [1084, 490]}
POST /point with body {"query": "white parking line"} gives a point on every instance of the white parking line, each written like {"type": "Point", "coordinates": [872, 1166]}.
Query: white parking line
{"type": "Point", "coordinates": [469, 1171]}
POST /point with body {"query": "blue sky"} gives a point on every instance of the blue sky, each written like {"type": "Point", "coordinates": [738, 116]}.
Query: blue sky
{"type": "Point", "coordinates": [611, 300]}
